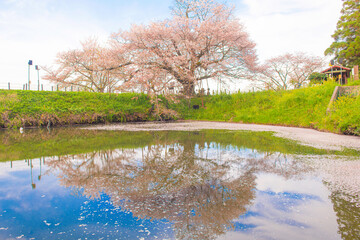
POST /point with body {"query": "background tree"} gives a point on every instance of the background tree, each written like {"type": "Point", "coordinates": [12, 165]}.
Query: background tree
{"type": "Point", "coordinates": [202, 40]}
{"type": "Point", "coordinates": [288, 71]}
{"type": "Point", "coordinates": [317, 78]}
{"type": "Point", "coordinates": [346, 43]}
{"type": "Point", "coordinates": [303, 66]}
{"type": "Point", "coordinates": [92, 68]}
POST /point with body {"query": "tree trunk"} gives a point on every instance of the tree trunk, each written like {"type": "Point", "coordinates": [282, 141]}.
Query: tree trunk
{"type": "Point", "coordinates": [189, 89]}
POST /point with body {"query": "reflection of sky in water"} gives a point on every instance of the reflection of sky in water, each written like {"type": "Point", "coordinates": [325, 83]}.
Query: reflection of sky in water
{"type": "Point", "coordinates": [291, 209]}
{"type": "Point", "coordinates": [282, 209]}
{"type": "Point", "coordinates": [53, 212]}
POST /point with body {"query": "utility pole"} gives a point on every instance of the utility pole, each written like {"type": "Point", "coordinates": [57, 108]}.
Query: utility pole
{"type": "Point", "coordinates": [29, 64]}
{"type": "Point", "coordinates": [37, 68]}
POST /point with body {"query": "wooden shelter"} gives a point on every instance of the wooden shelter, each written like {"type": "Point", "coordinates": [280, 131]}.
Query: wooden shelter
{"type": "Point", "coordinates": [339, 73]}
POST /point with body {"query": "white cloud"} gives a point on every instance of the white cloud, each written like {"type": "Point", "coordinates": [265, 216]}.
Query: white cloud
{"type": "Point", "coordinates": [39, 29]}
{"type": "Point", "coordinates": [32, 30]}
{"type": "Point", "coordinates": [262, 7]}
{"type": "Point", "coordinates": [280, 26]}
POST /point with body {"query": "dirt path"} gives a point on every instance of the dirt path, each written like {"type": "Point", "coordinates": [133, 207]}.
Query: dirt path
{"type": "Point", "coordinates": [303, 135]}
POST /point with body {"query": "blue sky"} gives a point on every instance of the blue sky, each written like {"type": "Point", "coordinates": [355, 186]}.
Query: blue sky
{"type": "Point", "coordinates": [38, 29]}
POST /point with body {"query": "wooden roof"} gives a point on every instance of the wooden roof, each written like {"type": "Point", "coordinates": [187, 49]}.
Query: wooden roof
{"type": "Point", "coordinates": [336, 67]}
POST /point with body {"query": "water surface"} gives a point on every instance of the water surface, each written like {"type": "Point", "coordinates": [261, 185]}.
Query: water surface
{"type": "Point", "coordinates": [215, 184]}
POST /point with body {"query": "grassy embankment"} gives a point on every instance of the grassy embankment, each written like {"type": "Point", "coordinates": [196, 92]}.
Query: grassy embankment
{"type": "Point", "coordinates": [32, 108]}
{"type": "Point", "coordinates": [305, 107]}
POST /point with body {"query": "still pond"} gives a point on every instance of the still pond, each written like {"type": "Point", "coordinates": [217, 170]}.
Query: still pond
{"type": "Point", "coordinates": [70, 183]}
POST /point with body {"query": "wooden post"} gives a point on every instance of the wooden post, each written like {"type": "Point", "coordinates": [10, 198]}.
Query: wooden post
{"type": "Point", "coordinates": [42, 87]}
{"type": "Point", "coordinates": [9, 85]}
{"type": "Point", "coordinates": [356, 72]}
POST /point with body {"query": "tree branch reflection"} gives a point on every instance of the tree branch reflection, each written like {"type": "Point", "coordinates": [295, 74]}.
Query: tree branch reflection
{"type": "Point", "coordinates": [199, 187]}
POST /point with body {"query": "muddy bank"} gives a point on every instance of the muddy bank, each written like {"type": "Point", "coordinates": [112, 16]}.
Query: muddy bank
{"type": "Point", "coordinates": [305, 136]}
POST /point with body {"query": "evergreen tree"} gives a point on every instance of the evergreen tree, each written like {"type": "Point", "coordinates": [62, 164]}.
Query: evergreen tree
{"type": "Point", "coordinates": [347, 35]}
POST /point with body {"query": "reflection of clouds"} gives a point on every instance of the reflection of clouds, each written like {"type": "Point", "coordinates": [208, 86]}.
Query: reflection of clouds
{"type": "Point", "coordinates": [278, 184]}
{"type": "Point", "coordinates": [18, 173]}
{"type": "Point", "coordinates": [16, 184]}
{"type": "Point", "coordinates": [287, 213]}
{"type": "Point", "coordinates": [169, 182]}
{"type": "Point", "coordinates": [200, 188]}
{"type": "Point", "coordinates": [6, 168]}
{"type": "Point", "coordinates": [340, 175]}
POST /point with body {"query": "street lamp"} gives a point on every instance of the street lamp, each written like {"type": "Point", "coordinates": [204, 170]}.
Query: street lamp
{"type": "Point", "coordinates": [37, 68]}
{"type": "Point", "coordinates": [29, 64]}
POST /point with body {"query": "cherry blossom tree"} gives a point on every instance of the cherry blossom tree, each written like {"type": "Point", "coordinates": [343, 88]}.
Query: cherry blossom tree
{"type": "Point", "coordinates": [202, 40]}
{"type": "Point", "coordinates": [303, 66]}
{"type": "Point", "coordinates": [288, 71]}
{"type": "Point", "coordinates": [93, 68]}
{"type": "Point", "coordinates": [156, 82]}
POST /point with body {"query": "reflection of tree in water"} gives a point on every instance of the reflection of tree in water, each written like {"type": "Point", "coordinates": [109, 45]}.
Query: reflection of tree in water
{"type": "Point", "coordinates": [201, 195]}
{"type": "Point", "coordinates": [348, 214]}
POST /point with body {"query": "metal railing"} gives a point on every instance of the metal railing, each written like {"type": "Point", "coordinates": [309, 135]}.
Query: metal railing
{"type": "Point", "coordinates": [42, 87]}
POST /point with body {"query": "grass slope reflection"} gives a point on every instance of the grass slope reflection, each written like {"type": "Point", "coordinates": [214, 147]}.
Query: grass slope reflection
{"type": "Point", "coordinates": [35, 143]}
{"type": "Point", "coordinates": [199, 186]}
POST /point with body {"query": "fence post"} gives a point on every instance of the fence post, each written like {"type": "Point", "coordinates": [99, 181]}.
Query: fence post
{"type": "Point", "coordinates": [57, 87]}
{"type": "Point", "coordinates": [26, 86]}
{"type": "Point", "coordinates": [71, 88]}
{"type": "Point", "coordinates": [65, 89]}
{"type": "Point", "coordinates": [52, 88]}
{"type": "Point", "coordinates": [42, 87]}
{"type": "Point", "coordinates": [9, 85]}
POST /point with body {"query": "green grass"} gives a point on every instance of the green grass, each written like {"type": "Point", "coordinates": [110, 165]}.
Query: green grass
{"type": "Point", "coordinates": [344, 116]}
{"type": "Point", "coordinates": [33, 108]}
{"type": "Point", "coordinates": [304, 107]}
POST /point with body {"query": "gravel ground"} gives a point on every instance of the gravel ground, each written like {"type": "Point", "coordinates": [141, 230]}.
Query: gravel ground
{"type": "Point", "coordinates": [305, 136]}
